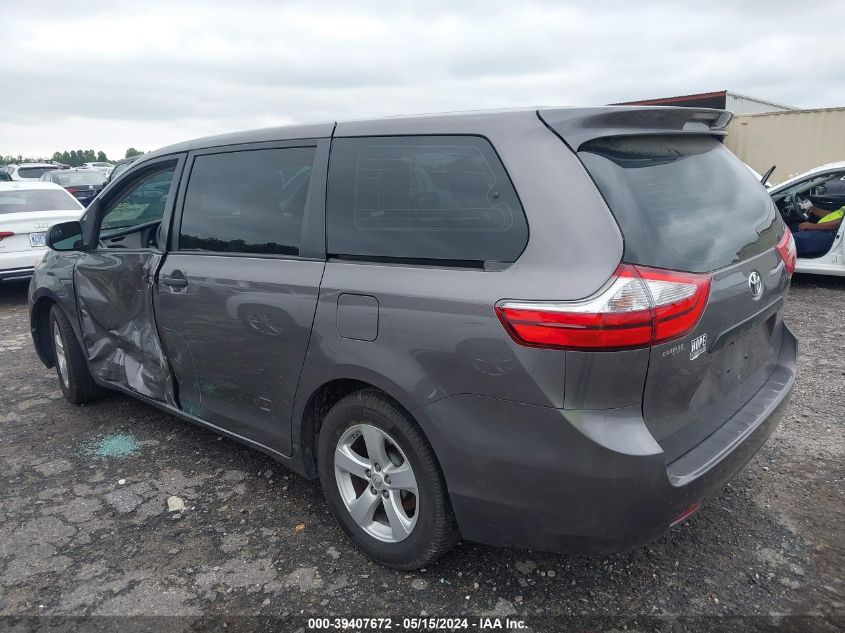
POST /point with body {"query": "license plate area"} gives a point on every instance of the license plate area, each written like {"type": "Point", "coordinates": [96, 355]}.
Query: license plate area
{"type": "Point", "coordinates": [37, 239]}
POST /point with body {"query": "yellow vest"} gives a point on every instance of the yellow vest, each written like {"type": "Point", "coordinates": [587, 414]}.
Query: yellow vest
{"type": "Point", "coordinates": [833, 217]}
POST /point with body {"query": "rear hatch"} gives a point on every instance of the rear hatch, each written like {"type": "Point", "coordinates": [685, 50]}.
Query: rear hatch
{"type": "Point", "coordinates": [25, 231]}
{"type": "Point", "coordinates": [685, 203]}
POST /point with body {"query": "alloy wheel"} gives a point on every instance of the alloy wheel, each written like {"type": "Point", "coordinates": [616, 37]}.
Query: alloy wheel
{"type": "Point", "coordinates": [61, 359]}
{"type": "Point", "coordinates": [376, 483]}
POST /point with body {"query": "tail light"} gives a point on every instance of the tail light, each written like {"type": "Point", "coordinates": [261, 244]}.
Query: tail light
{"type": "Point", "coordinates": [72, 189]}
{"type": "Point", "coordinates": [5, 234]}
{"type": "Point", "coordinates": [638, 307]}
{"type": "Point", "coordinates": [788, 253]}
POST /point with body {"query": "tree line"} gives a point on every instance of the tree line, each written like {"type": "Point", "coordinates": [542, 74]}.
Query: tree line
{"type": "Point", "coordinates": [74, 157]}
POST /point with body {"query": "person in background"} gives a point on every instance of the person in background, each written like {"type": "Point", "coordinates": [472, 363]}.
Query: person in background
{"type": "Point", "coordinates": [814, 239]}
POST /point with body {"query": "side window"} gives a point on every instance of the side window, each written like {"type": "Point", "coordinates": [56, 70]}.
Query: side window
{"type": "Point", "coordinates": [422, 198]}
{"type": "Point", "coordinates": [142, 204]}
{"type": "Point", "coordinates": [249, 201]}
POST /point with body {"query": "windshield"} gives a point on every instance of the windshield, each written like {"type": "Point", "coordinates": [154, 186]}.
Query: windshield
{"type": "Point", "coordinates": [70, 178]}
{"type": "Point", "coordinates": [682, 202]}
{"type": "Point", "coordinates": [23, 201]}
{"type": "Point", "coordinates": [806, 185]}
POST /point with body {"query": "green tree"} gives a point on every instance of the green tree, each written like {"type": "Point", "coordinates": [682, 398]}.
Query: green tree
{"type": "Point", "coordinates": [132, 152]}
{"type": "Point", "coordinates": [101, 157]}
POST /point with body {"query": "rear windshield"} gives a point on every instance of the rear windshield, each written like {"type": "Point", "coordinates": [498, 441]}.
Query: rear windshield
{"type": "Point", "coordinates": [33, 172]}
{"type": "Point", "coordinates": [682, 202]}
{"type": "Point", "coordinates": [23, 201]}
{"type": "Point", "coordinates": [70, 178]}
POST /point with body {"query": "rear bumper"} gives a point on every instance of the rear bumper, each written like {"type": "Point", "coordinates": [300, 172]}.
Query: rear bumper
{"type": "Point", "coordinates": [585, 481]}
{"type": "Point", "coordinates": [19, 264]}
{"type": "Point", "coordinates": [14, 274]}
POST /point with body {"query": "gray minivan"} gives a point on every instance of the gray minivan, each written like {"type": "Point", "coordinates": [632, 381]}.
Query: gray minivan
{"type": "Point", "coordinates": [556, 328]}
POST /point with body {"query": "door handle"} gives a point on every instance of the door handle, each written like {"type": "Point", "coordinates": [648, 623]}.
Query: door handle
{"type": "Point", "coordinates": [175, 281]}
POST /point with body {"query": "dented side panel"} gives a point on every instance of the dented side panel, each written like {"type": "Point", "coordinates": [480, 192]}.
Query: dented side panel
{"type": "Point", "coordinates": [115, 301]}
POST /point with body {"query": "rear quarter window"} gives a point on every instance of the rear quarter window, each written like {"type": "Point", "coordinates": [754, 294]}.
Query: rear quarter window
{"type": "Point", "coordinates": [426, 198]}
{"type": "Point", "coordinates": [682, 202]}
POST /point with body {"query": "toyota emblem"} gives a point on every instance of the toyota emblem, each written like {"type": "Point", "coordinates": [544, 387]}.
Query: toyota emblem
{"type": "Point", "coordinates": [755, 284]}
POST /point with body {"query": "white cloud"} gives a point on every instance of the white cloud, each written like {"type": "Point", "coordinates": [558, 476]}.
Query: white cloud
{"type": "Point", "coordinates": [108, 76]}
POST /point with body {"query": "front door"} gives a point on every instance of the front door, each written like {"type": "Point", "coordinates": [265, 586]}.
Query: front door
{"type": "Point", "coordinates": [238, 290]}
{"type": "Point", "coordinates": [114, 281]}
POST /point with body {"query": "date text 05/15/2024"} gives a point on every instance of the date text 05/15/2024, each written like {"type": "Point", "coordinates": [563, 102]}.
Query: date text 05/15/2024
{"type": "Point", "coordinates": [484, 623]}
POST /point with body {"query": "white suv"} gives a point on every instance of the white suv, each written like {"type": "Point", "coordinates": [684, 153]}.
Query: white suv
{"type": "Point", "coordinates": [30, 171]}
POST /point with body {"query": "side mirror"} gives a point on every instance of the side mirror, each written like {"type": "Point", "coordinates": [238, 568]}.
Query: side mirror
{"type": "Point", "coordinates": [66, 236]}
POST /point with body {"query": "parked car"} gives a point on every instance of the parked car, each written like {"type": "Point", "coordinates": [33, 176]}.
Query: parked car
{"type": "Point", "coordinates": [29, 171]}
{"type": "Point", "coordinates": [27, 211]}
{"type": "Point", "coordinates": [83, 184]}
{"type": "Point", "coordinates": [365, 302]}
{"type": "Point", "coordinates": [103, 168]}
{"type": "Point", "coordinates": [121, 166]}
{"type": "Point", "coordinates": [823, 188]}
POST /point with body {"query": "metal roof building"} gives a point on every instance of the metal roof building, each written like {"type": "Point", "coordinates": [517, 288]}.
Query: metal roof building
{"type": "Point", "coordinates": [723, 100]}
{"type": "Point", "coordinates": [794, 141]}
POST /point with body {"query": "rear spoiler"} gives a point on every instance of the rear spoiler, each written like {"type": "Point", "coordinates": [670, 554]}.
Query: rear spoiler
{"type": "Point", "coordinates": [577, 126]}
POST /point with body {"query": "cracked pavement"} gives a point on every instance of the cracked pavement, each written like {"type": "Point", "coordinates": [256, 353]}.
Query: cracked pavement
{"type": "Point", "coordinates": [85, 527]}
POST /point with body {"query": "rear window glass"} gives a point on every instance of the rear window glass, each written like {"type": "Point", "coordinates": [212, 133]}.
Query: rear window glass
{"type": "Point", "coordinates": [422, 198]}
{"type": "Point", "coordinates": [70, 178]}
{"type": "Point", "coordinates": [682, 202]}
{"type": "Point", "coordinates": [33, 172]}
{"type": "Point", "coordinates": [247, 202]}
{"type": "Point", "coordinates": [23, 201]}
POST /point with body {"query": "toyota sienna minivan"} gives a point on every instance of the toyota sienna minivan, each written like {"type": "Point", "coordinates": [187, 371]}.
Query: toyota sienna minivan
{"type": "Point", "coordinates": [558, 328]}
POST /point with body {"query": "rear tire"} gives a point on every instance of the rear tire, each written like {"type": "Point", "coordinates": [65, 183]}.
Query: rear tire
{"type": "Point", "coordinates": [74, 378]}
{"type": "Point", "coordinates": [404, 523]}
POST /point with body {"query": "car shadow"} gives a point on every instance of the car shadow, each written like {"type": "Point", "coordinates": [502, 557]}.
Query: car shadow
{"type": "Point", "coordinates": [13, 293]}
{"type": "Point", "coordinates": [817, 281]}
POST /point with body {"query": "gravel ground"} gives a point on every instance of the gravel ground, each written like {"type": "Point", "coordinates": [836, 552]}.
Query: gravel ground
{"type": "Point", "coordinates": [84, 526]}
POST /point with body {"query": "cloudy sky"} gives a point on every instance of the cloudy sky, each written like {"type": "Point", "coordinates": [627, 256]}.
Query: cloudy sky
{"type": "Point", "coordinates": [110, 75]}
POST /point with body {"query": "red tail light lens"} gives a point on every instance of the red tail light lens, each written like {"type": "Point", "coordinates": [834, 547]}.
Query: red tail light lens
{"type": "Point", "coordinates": [638, 307]}
{"type": "Point", "coordinates": [788, 253]}
{"type": "Point", "coordinates": [72, 189]}
{"type": "Point", "coordinates": [4, 234]}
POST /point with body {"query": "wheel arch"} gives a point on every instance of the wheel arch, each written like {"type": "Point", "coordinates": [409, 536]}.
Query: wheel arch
{"type": "Point", "coordinates": [320, 401]}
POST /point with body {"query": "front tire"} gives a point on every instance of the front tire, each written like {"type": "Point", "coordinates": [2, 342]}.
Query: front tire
{"type": "Point", "coordinates": [382, 482]}
{"type": "Point", "coordinates": [74, 378]}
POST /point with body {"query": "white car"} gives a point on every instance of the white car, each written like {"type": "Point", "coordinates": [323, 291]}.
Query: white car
{"type": "Point", "coordinates": [27, 211]}
{"type": "Point", "coordinates": [823, 187]}
{"type": "Point", "coordinates": [103, 168]}
{"type": "Point", "coordinates": [29, 171]}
